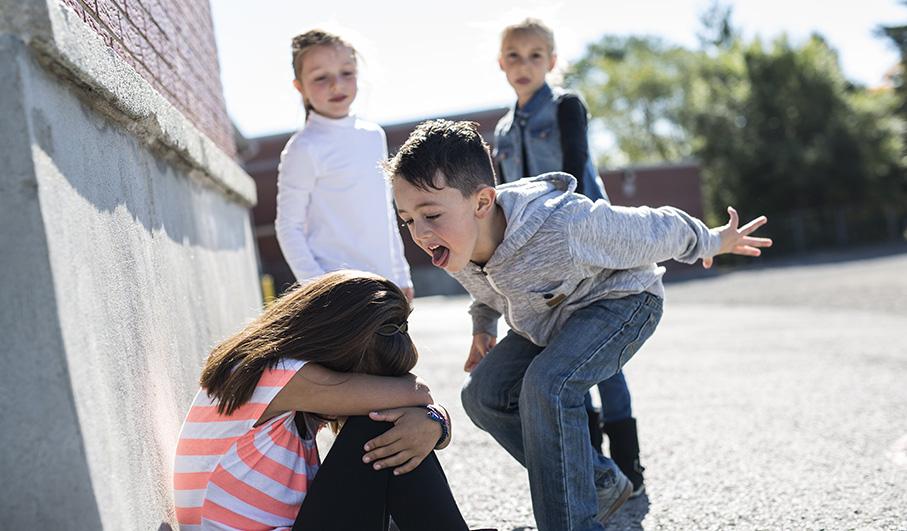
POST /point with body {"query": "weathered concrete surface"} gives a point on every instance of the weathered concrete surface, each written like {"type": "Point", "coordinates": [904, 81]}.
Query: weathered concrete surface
{"type": "Point", "coordinates": [768, 399]}
{"type": "Point", "coordinates": [125, 254]}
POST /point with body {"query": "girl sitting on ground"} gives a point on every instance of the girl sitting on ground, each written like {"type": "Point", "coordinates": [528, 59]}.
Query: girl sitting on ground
{"type": "Point", "coordinates": [333, 350]}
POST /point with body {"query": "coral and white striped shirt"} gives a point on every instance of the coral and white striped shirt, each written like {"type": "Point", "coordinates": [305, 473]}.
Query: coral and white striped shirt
{"type": "Point", "coordinates": [231, 475]}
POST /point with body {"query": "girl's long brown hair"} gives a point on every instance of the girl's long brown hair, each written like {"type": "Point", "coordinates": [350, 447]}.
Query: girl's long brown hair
{"type": "Point", "coordinates": [332, 320]}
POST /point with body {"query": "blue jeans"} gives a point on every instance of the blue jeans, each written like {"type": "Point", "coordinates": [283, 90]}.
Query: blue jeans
{"type": "Point", "coordinates": [530, 399]}
{"type": "Point", "coordinates": [615, 396]}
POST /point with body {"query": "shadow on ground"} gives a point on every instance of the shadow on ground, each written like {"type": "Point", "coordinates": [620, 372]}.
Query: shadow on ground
{"type": "Point", "coordinates": [631, 515]}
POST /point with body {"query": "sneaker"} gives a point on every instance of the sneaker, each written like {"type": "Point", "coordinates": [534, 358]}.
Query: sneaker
{"type": "Point", "coordinates": [610, 499]}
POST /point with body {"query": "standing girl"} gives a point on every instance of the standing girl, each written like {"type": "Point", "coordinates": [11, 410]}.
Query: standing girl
{"type": "Point", "coordinates": [546, 131]}
{"type": "Point", "coordinates": [336, 349]}
{"type": "Point", "coordinates": [334, 207]}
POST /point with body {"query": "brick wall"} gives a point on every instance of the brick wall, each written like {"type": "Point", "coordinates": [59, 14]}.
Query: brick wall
{"type": "Point", "coordinates": [171, 44]}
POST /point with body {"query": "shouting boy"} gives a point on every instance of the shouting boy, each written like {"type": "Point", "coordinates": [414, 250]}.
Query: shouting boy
{"type": "Point", "coordinates": [578, 285]}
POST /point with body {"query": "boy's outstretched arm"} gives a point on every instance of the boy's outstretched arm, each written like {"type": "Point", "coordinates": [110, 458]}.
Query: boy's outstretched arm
{"type": "Point", "coordinates": [736, 240]}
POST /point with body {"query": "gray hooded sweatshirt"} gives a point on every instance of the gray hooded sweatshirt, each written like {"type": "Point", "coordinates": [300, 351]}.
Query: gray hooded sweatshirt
{"type": "Point", "coordinates": [562, 252]}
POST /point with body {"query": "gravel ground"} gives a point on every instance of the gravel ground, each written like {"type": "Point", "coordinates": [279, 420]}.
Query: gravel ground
{"type": "Point", "coordinates": [773, 398]}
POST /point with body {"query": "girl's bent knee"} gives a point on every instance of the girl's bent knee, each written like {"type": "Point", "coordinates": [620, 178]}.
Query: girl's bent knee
{"type": "Point", "coordinates": [362, 427]}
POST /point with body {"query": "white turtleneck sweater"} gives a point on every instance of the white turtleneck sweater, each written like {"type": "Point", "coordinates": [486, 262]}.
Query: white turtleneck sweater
{"type": "Point", "coordinates": [334, 206]}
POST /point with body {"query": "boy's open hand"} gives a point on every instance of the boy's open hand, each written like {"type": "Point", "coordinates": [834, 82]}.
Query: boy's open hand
{"type": "Point", "coordinates": [404, 446]}
{"type": "Point", "coordinates": [481, 344]}
{"type": "Point", "coordinates": [736, 240]}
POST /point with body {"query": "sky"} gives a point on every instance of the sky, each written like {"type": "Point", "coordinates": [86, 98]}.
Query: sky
{"type": "Point", "coordinates": [422, 59]}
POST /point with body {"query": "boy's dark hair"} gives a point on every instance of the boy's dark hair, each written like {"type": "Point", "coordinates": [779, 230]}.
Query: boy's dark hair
{"type": "Point", "coordinates": [455, 149]}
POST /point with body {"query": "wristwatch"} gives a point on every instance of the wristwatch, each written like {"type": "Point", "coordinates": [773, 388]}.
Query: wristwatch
{"type": "Point", "coordinates": [435, 414]}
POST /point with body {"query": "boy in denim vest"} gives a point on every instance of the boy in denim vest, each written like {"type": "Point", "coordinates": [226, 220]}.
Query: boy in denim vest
{"type": "Point", "coordinates": [546, 131]}
{"type": "Point", "coordinates": [577, 283]}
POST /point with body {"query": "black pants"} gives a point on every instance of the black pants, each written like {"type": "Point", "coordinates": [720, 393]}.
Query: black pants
{"type": "Point", "coordinates": [348, 494]}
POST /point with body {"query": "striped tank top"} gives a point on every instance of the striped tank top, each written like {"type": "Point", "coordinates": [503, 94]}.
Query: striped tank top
{"type": "Point", "coordinates": [230, 475]}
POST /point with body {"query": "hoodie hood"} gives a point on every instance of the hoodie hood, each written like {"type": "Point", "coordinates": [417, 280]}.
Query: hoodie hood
{"type": "Point", "coordinates": [526, 204]}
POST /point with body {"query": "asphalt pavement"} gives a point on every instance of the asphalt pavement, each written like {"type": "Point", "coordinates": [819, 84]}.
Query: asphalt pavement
{"type": "Point", "coordinates": [769, 398]}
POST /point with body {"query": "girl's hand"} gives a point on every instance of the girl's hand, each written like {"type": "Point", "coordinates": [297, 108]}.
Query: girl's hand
{"type": "Point", "coordinates": [481, 344]}
{"type": "Point", "coordinates": [738, 240]}
{"type": "Point", "coordinates": [404, 446]}
{"type": "Point", "coordinates": [410, 293]}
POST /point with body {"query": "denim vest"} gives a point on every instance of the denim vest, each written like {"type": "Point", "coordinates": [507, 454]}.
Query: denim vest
{"type": "Point", "coordinates": [536, 124]}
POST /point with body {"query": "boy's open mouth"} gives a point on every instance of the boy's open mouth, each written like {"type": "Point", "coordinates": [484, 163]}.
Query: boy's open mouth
{"type": "Point", "coordinates": [439, 255]}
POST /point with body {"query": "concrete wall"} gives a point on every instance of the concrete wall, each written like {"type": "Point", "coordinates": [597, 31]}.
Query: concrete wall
{"type": "Point", "coordinates": [125, 253]}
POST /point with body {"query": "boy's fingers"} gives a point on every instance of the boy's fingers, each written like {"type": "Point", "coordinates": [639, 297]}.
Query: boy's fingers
{"type": "Point", "coordinates": [753, 225]}
{"type": "Point", "coordinates": [409, 466]}
{"type": "Point", "coordinates": [472, 360]}
{"type": "Point", "coordinates": [746, 250]}
{"type": "Point", "coordinates": [735, 219]}
{"type": "Point", "coordinates": [756, 242]}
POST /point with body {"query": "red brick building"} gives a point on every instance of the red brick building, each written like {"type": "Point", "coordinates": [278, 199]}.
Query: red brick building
{"type": "Point", "coordinates": [171, 44]}
{"type": "Point", "coordinates": [677, 185]}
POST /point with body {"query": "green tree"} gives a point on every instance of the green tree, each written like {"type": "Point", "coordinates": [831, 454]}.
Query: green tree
{"type": "Point", "coordinates": [794, 135]}
{"type": "Point", "coordinates": [897, 35]}
{"type": "Point", "coordinates": [777, 127]}
{"type": "Point", "coordinates": [635, 88]}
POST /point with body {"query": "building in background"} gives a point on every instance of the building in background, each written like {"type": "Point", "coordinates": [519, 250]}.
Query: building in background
{"type": "Point", "coordinates": [671, 184]}
{"type": "Point", "coordinates": [126, 252]}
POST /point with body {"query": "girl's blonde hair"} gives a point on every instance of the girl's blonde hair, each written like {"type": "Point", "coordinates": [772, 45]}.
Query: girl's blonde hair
{"type": "Point", "coordinates": [530, 26]}
{"type": "Point", "coordinates": [308, 40]}
{"type": "Point", "coordinates": [347, 321]}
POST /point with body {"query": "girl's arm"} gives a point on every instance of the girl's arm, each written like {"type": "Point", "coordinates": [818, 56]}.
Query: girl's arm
{"type": "Point", "coordinates": [400, 266]}
{"type": "Point", "coordinates": [573, 121]}
{"type": "Point", "coordinates": [316, 389]}
{"type": "Point", "coordinates": [295, 182]}
{"type": "Point", "coordinates": [401, 273]}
